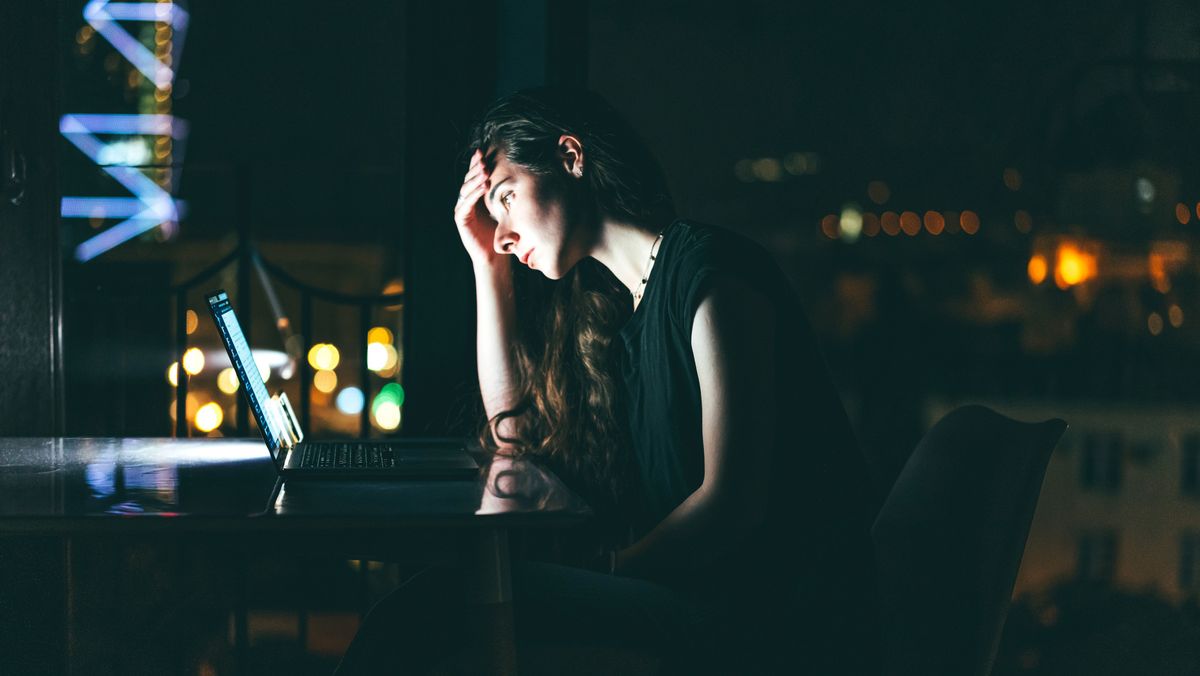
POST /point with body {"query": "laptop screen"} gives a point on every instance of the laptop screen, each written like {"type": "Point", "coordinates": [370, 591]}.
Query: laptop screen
{"type": "Point", "coordinates": [266, 412]}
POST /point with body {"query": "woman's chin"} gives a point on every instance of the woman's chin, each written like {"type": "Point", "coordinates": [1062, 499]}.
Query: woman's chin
{"type": "Point", "coordinates": [550, 271]}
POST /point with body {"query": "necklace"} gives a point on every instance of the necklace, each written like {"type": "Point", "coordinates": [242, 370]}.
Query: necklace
{"type": "Point", "coordinates": [637, 295]}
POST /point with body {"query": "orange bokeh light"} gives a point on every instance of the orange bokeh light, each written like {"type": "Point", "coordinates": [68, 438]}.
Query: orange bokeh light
{"type": "Point", "coordinates": [870, 224]}
{"type": "Point", "coordinates": [969, 221]}
{"type": "Point", "coordinates": [934, 222]}
{"type": "Point", "coordinates": [1073, 265]}
{"type": "Point", "coordinates": [829, 226]}
{"type": "Point", "coordinates": [1038, 268]}
{"type": "Point", "coordinates": [890, 222]}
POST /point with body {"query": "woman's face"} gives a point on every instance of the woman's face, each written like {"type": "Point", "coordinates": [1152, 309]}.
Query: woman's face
{"type": "Point", "coordinates": [536, 222]}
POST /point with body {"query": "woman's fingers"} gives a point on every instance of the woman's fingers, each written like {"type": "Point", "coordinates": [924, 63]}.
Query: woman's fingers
{"type": "Point", "coordinates": [467, 200]}
{"type": "Point", "coordinates": [471, 179]}
{"type": "Point", "coordinates": [470, 186]}
{"type": "Point", "coordinates": [473, 188]}
{"type": "Point", "coordinates": [476, 170]}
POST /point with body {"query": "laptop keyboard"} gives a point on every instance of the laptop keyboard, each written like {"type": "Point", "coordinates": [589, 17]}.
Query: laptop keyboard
{"type": "Point", "coordinates": [352, 455]}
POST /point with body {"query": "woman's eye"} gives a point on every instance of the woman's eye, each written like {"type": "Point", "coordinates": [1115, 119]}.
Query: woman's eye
{"type": "Point", "coordinates": [504, 200]}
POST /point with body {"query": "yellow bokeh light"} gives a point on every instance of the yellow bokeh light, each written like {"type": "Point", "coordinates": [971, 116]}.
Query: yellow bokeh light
{"type": "Point", "coordinates": [393, 357]}
{"type": "Point", "coordinates": [379, 334]}
{"type": "Point", "coordinates": [193, 361]}
{"type": "Point", "coordinates": [192, 322]}
{"type": "Point", "coordinates": [227, 380]}
{"type": "Point", "coordinates": [323, 357]}
{"type": "Point", "coordinates": [796, 163]}
{"type": "Point", "coordinates": [767, 169]}
{"type": "Point", "coordinates": [1175, 315]}
{"type": "Point", "coordinates": [173, 374]}
{"type": "Point", "coordinates": [192, 403]}
{"type": "Point", "coordinates": [325, 381]}
{"type": "Point", "coordinates": [376, 356]}
{"type": "Point", "coordinates": [387, 416]}
{"type": "Point", "coordinates": [1074, 266]}
{"type": "Point", "coordinates": [209, 417]}
{"type": "Point", "coordinates": [391, 364]}
{"type": "Point", "coordinates": [1038, 268]}
{"type": "Point", "coordinates": [1155, 323]}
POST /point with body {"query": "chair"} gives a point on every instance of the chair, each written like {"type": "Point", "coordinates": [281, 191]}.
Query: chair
{"type": "Point", "coordinates": [949, 539]}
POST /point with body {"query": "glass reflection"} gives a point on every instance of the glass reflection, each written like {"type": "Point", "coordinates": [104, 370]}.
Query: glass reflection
{"type": "Point", "coordinates": [520, 486]}
{"type": "Point", "coordinates": [131, 488]}
{"type": "Point", "coordinates": [101, 477]}
{"type": "Point", "coordinates": [154, 477]}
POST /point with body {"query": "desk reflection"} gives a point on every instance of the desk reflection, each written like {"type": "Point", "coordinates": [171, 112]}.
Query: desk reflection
{"type": "Point", "coordinates": [132, 477]}
{"type": "Point", "coordinates": [513, 485]}
{"type": "Point", "coordinates": [55, 482]}
{"type": "Point", "coordinates": [505, 488]}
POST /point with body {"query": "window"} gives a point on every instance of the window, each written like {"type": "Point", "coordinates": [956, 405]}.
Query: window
{"type": "Point", "coordinates": [1097, 556]}
{"type": "Point", "coordinates": [1189, 476]}
{"type": "Point", "coordinates": [1100, 467]}
{"type": "Point", "coordinates": [1189, 561]}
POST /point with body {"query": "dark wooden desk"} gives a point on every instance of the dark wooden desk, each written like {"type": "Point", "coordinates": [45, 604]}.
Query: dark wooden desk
{"type": "Point", "coordinates": [75, 493]}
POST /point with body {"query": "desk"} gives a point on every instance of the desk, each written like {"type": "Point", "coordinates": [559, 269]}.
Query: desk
{"type": "Point", "coordinates": [83, 491]}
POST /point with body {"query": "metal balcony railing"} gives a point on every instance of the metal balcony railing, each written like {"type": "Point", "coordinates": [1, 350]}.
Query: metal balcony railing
{"type": "Point", "coordinates": [247, 258]}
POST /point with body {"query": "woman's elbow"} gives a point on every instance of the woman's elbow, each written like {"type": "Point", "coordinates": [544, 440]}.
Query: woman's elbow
{"type": "Point", "coordinates": [739, 510]}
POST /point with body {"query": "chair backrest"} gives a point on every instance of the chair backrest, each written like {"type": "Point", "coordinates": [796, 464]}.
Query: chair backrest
{"type": "Point", "coordinates": [949, 539]}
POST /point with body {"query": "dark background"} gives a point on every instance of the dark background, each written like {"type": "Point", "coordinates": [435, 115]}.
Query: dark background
{"type": "Point", "coordinates": [331, 137]}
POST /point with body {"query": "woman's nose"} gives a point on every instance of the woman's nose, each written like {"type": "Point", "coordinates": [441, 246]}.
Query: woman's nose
{"type": "Point", "coordinates": [504, 240]}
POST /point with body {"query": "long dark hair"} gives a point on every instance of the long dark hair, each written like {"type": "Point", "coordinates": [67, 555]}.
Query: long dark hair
{"type": "Point", "coordinates": [569, 409]}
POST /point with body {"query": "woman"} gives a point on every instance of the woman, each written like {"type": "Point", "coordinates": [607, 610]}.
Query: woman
{"type": "Point", "coordinates": [668, 374]}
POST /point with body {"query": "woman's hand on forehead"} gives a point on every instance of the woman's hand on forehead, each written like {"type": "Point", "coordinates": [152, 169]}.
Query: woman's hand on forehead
{"type": "Point", "coordinates": [476, 225]}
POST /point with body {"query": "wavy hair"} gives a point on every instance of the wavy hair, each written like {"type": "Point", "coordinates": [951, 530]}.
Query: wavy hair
{"type": "Point", "coordinates": [569, 411]}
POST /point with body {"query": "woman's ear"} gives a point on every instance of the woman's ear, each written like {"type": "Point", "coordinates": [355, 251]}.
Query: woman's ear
{"type": "Point", "coordinates": [571, 153]}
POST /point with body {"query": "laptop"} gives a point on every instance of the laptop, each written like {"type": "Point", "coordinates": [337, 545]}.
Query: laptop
{"type": "Point", "coordinates": [294, 457]}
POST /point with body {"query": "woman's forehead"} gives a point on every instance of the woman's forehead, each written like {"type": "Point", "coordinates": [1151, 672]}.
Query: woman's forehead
{"type": "Point", "coordinates": [497, 161]}
{"type": "Point", "coordinates": [501, 168]}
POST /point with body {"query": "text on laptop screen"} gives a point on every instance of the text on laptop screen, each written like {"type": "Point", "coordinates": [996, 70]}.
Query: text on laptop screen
{"type": "Point", "coordinates": [265, 411]}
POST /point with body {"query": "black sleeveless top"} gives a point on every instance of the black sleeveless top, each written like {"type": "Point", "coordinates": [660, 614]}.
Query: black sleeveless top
{"type": "Point", "coordinates": [815, 541]}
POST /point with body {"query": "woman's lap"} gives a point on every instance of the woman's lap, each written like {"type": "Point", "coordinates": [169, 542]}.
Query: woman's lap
{"type": "Point", "coordinates": [558, 610]}
{"type": "Point", "coordinates": [560, 605]}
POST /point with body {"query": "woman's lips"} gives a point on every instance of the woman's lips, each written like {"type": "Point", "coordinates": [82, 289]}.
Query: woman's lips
{"type": "Point", "coordinates": [525, 258]}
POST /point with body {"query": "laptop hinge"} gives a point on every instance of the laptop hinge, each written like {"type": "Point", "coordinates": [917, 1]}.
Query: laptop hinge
{"type": "Point", "coordinates": [293, 434]}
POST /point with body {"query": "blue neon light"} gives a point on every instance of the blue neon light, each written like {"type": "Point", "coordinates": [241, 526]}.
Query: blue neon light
{"type": "Point", "coordinates": [103, 15]}
{"type": "Point", "coordinates": [151, 205]}
{"type": "Point", "coordinates": [102, 207]}
{"type": "Point", "coordinates": [156, 125]}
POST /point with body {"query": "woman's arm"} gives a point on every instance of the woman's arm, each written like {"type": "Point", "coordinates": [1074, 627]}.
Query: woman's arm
{"type": "Point", "coordinates": [495, 333]}
{"type": "Point", "coordinates": [495, 309]}
{"type": "Point", "coordinates": [733, 342]}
